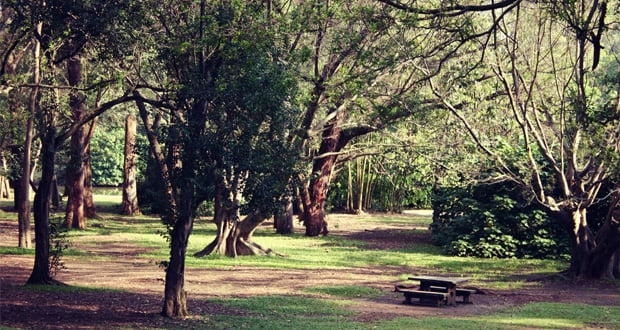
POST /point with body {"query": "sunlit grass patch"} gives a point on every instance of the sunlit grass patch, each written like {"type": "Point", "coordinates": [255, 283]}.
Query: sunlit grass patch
{"type": "Point", "coordinates": [16, 250]}
{"type": "Point", "coordinates": [530, 316]}
{"type": "Point", "coordinates": [287, 305]}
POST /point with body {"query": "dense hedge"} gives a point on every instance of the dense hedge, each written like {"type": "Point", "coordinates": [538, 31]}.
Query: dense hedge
{"type": "Point", "coordinates": [494, 221]}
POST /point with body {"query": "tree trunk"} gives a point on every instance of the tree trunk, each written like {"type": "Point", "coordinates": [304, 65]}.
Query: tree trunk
{"type": "Point", "coordinates": [75, 216]}
{"type": "Point", "coordinates": [234, 238]}
{"type": "Point", "coordinates": [583, 243]}
{"type": "Point", "coordinates": [90, 211]}
{"type": "Point", "coordinates": [130, 190]}
{"type": "Point", "coordinates": [175, 296]}
{"type": "Point", "coordinates": [4, 188]}
{"type": "Point", "coordinates": [283, 220]}
{"type": "Point", "coordinates": [605, 257]}
{"type": "Point", "coordinates": [592, 257]}
{"type": "Point", "coordinates": [322, 167]}
{"type": "Point", "coordinates": [41, 271]}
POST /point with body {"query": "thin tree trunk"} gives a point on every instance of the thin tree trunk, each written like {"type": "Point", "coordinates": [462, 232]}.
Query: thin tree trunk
{"type": "Point", "coordinates": [75, 216]}
{"type": "Point", "coordinates": [175, 296]}
{"type": "Point", "coordinates": [41, 270]}
{"type": "Point", "coordinates": [130, 190]}
{"type": "Point", "coordinates": [90, 211]}
{"type": "Point", "coordinates": [23, 208]}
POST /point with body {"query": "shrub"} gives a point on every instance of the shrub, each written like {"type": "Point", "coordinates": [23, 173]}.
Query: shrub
{"type": "Point", "coordinates": [494, 221]}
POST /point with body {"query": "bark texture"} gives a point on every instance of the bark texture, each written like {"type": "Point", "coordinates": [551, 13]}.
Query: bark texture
{"type": "Point", "coordinates": [130, 190]}
{"type": "Point", "coordinates": [41, 270]}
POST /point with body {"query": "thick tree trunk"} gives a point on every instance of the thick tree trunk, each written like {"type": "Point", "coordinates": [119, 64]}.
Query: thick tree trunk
{"type": "Point", "coordinates": [75, 216]}
{"type": "Point", "coordinates": [234, 236]}
{"type": "Point", "coordinates": [583, 243]}
{"type": "Point", "coordinates": [605, 257]}
{"type": "Point", "coordinates": [41, 271]}
{"type": "Point", "coordinates": [592, 257]}
{"type": "Point", "coordinates": [322, 167]}
{"type": "Point", "coordinates": [130, 190]}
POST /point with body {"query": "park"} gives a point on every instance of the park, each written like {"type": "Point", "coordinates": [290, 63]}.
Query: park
{"type": "Point", "coordinates": [344, 282]}
{"type": "Point", "coordinates": [310, 164]}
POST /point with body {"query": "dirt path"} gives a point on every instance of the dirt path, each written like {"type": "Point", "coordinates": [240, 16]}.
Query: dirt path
{"type": "Point", "coordinates": [142, 283]}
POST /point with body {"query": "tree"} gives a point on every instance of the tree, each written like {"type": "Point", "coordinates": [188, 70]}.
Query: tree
{"type": "Point", "coordinates": [346, 61]}
{"type": "Point", "coordinates": [224, 141]}
{"type": "Point", "coordinates": [365, 67]}
{"type": "Point", "coordinates": [561, 114]}
{"type": "Point", "coordinates": [13, 55]}
{"type": "Point", "coordinates": [66, 29]}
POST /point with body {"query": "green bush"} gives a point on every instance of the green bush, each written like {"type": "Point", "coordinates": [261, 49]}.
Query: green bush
{"type": "Point", "coordinates": [494, 221]}
{"type": "Point", "coordinates": [107, 152]}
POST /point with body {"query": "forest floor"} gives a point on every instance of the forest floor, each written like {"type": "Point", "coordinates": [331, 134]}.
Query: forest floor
{"type": "Point", "coordinates": [138, 286]}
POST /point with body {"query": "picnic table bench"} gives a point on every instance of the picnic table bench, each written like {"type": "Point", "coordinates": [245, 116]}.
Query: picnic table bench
{"type": "Point", "coordinates": [436, 290]}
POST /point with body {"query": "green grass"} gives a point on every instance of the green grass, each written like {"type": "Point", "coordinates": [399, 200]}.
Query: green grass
{"type": "Point", "coordinates": [529, 316]}
{"type": "Point", "coordinates": [329, 307]}
{"type": "Point", "coordinates": [349, 291]}
{"type": "Point", "coordinates": [331, 252]}
{"type": "Point", "coordinates": [283, 312]}
{"type": "Point", "coordinates": [16, 250]}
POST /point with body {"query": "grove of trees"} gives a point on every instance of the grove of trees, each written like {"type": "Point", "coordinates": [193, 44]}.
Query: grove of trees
{"type": "Point", "coordinates": [250, 107]}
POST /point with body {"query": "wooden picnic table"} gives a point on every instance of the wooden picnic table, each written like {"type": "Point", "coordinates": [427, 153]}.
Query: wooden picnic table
{"type": "Point", "coordinates": [437, 290]}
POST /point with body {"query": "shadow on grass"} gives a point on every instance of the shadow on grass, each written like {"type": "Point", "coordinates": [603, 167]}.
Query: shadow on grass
{"type": "Point", "coordinates": [80, 308]}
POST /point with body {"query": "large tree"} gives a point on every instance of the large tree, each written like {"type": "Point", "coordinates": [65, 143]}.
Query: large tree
{"type": "Point", "coordinates": [225, 115]}
{"type": "Point", "coordinates": [365, 64]}
{"type": "Point", "coordinates": [556, 91]}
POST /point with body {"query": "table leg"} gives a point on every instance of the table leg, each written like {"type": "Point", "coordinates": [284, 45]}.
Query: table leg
{"type": "Point", "coordinates": [451, 300]}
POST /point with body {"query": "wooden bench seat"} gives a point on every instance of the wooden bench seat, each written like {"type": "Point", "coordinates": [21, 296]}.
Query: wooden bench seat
{"type": "Point", "coordinates": [426, 297]}
{"type": "Point", "coordinates": [465, 293]}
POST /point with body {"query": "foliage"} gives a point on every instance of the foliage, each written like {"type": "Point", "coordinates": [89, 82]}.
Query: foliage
{"type": "Point", "coordinates": [108, 157]}
{"type": "Point", "coordinates": [59, 243]}
{"type": "Point", "coordinates": [494, 221]}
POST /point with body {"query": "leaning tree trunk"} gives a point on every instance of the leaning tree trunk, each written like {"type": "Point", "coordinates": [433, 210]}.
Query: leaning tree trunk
{"type": "Point", "coordinates": [41, 271]}
{"type": "Point", "coordinates": [75, 216]}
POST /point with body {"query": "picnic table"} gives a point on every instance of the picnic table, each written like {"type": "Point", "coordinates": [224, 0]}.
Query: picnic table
{"type": "Point", "coordinates": [436, 290]}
